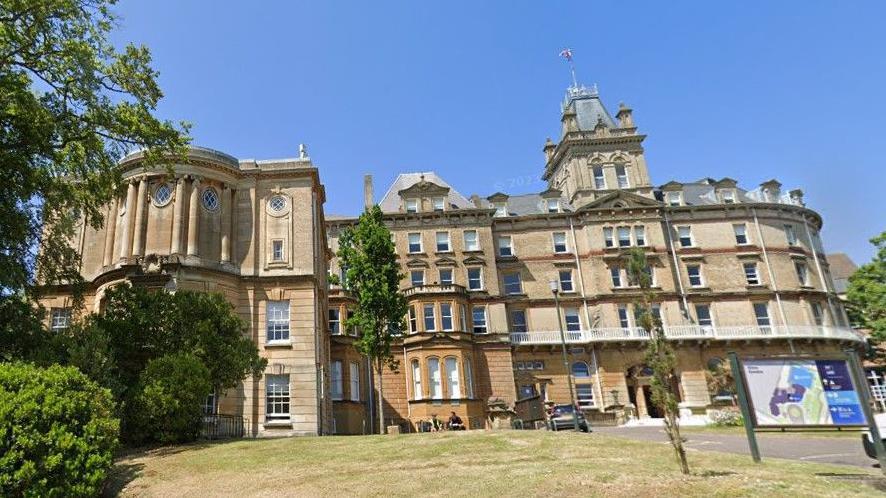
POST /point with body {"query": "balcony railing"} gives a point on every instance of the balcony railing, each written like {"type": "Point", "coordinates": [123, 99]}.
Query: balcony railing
{"type": "Point", "coordinates": [434, 289]}
{"type": "Point", "coordinates": [677, 332]}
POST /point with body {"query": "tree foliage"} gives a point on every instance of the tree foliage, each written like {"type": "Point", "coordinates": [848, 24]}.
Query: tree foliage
{"type": "Point", "coordinates": [373, 276]}
{"type": "Point", "coordinates": [138, 326]}
{"type": "Point", "coordinates": [660, 356]}
{"type": "Point", "coordinates": [57, 432]}
{"type": "Point", "coordinates": [867, 293]}
{"type": "Point", "coordinates": [71, 104]}
{"type": "Point", "coordinates": [168, 406]}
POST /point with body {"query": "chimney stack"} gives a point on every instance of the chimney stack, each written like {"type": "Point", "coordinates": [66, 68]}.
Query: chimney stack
{"type": "Point", "coordinates": [368, 195]}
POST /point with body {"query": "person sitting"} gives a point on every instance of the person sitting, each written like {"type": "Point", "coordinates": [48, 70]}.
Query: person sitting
{"type": "Point", "coordinates": [455, 423]}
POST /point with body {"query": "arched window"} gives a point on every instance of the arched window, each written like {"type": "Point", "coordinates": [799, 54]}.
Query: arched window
{"type": "Point", "coordinates": [436, 381]}
{"type": "Point", "coordinates": [416, 380]}
{"type": "Point", "coordinates": [580, 370]}
{"type": "Point", "coordinates": [469, 378]}
{"type": "Point", "coordinates": [451, 365]}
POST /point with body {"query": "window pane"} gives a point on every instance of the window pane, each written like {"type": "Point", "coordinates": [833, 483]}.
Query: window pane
{"type": "Point", "coordinates": [446, 277]}
{"type": "Point", "coordinates": [741, 236]}
{"type": "Point", "coordinates": [471, 241]}
{"type": "Point", "coordinates": [615, 273]}
{"type": "Point", "coordinates": [475, 280]}
{"type": "Point", "coordinates": [750, 272]}
{"type": "Point", "coordinates": [703, 313]}
{"type": "Point", "coordinates": [504, 246]}
{"type": "Point", "coordinates": [580, 370]}
{"type": "Point", "coordinates": [685, 236]}
{"type": "Point", "coordinates": [624, 236]}
{"type": "Point", "coordinates": [436, 381]}
{"type": "Point", "coordinates": [566, 280]}
{"type": "Point", "coordinates": [414, 242]}
{"type": "Point", "coordinates": [416, 380]}
{"type": "Point", "coordinates": [446, 315]}
{"type": "Point", "coordinates": [623, 317]}
{"type": "Point", "coordinates": [622, 176]}
{"type": "Point", "coordinates": [640, 235]}
{"type": "Point", "coordinates": [277, 319]}
{"type": "Point", "coordinates": [573, 322]}
{"type": "Point", "coordinates": [355, 382]}
{"type": "Point", "coordinates": [478, 313]}
{"type": "Point", "coordinates": [430, 322]}
{"type": "Point", "coordinates": [584, 394]}
{"type": "Point", "coordinates": [560, 242]}
{"type": "Point", "coordinates": [761, 312]}
{"type": "Point", "coordinates": [442, 241]}
{"type": "Point", "coordinates": [518, 320]}
{"type": "Point", "coordinates": [334, 321]}
{"type": "Point", "coordinates": [607, 237]}
{"type": "Point", "coordinates": [336, 381]}
{"type": "Point", "coordinates": [417, 277]}
{"type": "Point", "coordinates": [451, 365]}
{"type": "Point", "coordinates": [469, 378]}
{"type": "Point", "coordinates": [277, 397]}
{"type": "Point", "coordinates": [512, 283]}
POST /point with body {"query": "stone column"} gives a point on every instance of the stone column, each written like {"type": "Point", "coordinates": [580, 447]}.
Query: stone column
{"type": "Point", "coordinates": [126, 242]}
{"type": "Point", "coordinates": [110, 231]}
{"type": "Point", "coordinates": [226, 224]}
{"type": "Point", "coordinates": [176, 247]}
{"type": "Point", "coordinates": [138, 237]}
{"type": "Point", "coordinates": [193, 217]}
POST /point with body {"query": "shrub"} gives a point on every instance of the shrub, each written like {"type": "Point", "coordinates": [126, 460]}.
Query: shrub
{"type": "Point", "coordinates": [726, 418]}
{"type": "Point", "coordinates": [57, 432]}
{"type": "Point", "coordinates": [168, 407]}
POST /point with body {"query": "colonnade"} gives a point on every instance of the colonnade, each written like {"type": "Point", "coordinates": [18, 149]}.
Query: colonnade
{"type": "Point", "coordinates": [133, 233]}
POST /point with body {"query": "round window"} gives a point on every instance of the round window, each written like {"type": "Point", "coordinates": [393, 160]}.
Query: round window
{"type": "Point", "coordinates": [277, 203]}
{"type": "Point", "coordinates": [210, 199]}
{"type": "Point", "coordinates": [163, 194]}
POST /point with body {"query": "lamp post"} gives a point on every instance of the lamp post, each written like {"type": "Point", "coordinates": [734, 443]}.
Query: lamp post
{"type": "Point", "coordinates": [555, 289]}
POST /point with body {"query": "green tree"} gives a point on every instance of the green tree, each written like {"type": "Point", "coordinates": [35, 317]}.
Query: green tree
{"type": "Point", "coordinates": [57, 432]}
{"type": "Point", "coordinates": [138, 326]}
{"type": "Point", "coordinates": [373, 277]}
{"type": "Point", "coordinates": [71, 104]}
{"type": "Point", "coordinates": [169, 404]}
{"type": "Point", "coordinates": [867, 293]}
{"type": "Point", "coordinates": [660, 356]}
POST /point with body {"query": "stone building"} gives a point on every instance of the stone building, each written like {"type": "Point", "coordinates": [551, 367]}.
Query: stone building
{"type": "Point", "coordinates": [251, 230]}
{"type": "Point", "coordinates": [733, 269]}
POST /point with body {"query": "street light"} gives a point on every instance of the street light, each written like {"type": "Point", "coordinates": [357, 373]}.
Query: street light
{"type": "Point", "coordinates": [555, 289]}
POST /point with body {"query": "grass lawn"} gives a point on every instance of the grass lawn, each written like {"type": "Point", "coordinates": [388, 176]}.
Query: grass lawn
{"type": "Point", "coordinates": [475, 463]}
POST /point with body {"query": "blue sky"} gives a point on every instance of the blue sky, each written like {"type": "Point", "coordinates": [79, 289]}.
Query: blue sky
{"type": "Point", "coordinates": [750, 90]}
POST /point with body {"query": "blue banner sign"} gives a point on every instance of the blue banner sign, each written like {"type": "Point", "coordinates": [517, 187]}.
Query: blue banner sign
{"type": "Point", "coordinates": [802, 392]}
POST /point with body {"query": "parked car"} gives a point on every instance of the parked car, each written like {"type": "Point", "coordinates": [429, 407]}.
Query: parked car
{"type": "Point", "coordinates": [866, 440]}
{"type": "Point", "coordinates": [561, 417]}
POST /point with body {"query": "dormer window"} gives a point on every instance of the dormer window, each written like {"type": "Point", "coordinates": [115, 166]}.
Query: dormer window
{"type": "Point", "coordinates": [439, 203]}
{"type": "Point", "coordinates": [501, 209]}
{"type": "Point", "coordinates": [674, 198]}
{"type": "Point", "coordinates": [727, 196]}
{"type": "Point", "coordinates": [553, 206]}
{"type": "Point", "coordinates": [411, 205]}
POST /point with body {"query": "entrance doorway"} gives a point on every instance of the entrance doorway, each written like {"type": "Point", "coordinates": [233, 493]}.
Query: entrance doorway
{"type": "Point", "coordinates": [639, 381]}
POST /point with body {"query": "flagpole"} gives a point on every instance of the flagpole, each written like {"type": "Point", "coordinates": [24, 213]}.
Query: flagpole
{"type": "Point", "coordinates": [572, 69]}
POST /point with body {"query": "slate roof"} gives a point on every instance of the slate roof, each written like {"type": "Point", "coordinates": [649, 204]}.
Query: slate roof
{"type": "Point", "coordinates": [525, 204]}
{"type": "Point", "coordinates": [588, 108]}
{"type": "Point", "coordinates": [390, 203]}
{"type": "Point", "coordinates": [704, 192]}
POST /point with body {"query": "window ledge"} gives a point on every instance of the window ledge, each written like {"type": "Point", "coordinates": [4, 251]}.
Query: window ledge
{"type": "Point", "coordinates": [278, 344]}
{"type": "Point", "coordinates": [444, 252]}
{"type": "Point", "coordinates": [703, 288]}
{"type": "Point", "coordinates": [472, 251]}
{"type": "Point", "coordinates": [807, 287]}
{"type": "Point", "coordinates": [756, 286]}
{"type": "Point", "coordinates": [278, 423]}
{"type": "Point", "coordinates": [420, 253]}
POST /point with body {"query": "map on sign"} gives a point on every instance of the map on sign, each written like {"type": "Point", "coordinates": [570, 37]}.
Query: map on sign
{"type": "Point", "coordinates": [801, 392]}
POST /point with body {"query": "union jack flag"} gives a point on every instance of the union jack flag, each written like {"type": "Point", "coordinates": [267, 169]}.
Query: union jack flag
{"type": "Point", "coordinates": [567, 54]}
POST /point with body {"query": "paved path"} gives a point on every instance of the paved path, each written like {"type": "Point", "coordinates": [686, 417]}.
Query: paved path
{"type": "Point", "coordinates": [834, 450]}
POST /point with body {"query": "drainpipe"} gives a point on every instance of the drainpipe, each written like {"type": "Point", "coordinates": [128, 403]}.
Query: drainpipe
{"type": "Point", "coordinates": [677, 272]}
{"type": "Point", "coordinates": [784, 320]}
{"type": "Point", "coordinates": [317, 337]}
{"type": "Point", "coordinates": [824, 283]}
{"type": "Point", "coordinates": [409, 372]}
{"type": "Point", "coordinates": [584, 301]}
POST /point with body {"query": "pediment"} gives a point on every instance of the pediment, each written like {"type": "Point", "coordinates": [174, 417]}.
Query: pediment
{"type": "Point", "coordinates": [473, 260]}
{"type": "Point", "coordinates": [551, 193]}
{"type": "Point", "coordinates": [672, 185]}
{"type": "Point", "coordinates": [417, 263]}
{"type": "Point", "coordinates": [424, 188]}
{"type": "Point", "coordinates": [497, 197]}
{"type": "Point", "coordinates": [727, 183]}
{"type": "Point", "coordinates": [622, 200]}
{"type": "Point", "coordinates": [446, 261]}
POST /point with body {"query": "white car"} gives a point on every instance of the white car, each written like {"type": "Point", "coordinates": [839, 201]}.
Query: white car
{"type": "Point", "coordinates": [866, 440]}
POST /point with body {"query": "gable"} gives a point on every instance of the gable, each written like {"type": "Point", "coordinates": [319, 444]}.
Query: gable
{"type": "Point", "coordinates": [621, 200]}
